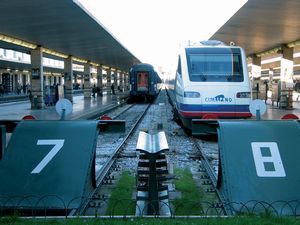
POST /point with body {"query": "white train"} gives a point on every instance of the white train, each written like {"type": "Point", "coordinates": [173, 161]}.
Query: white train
{"type": "Point", "coordinates": [211, 82]}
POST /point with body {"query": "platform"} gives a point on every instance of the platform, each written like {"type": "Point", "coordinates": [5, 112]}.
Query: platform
{"type": "Point", "coordinates": [82, 108]}
{"type": "Point", "coordinates": [274, 113]}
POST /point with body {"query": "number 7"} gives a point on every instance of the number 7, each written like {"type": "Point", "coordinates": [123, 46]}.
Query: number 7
{"type": "Point", "coordinates": [58, 144]}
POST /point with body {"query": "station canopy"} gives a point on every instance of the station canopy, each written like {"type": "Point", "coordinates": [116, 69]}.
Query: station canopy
{"type": "Point", "coordinates": [63, 26]}
{"type": "Point", "coordinates": [261, 25]}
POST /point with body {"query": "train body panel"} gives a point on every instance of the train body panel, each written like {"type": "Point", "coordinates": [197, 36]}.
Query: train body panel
{"type": "Point", "coordinates": [211, 82]}
{"type": "Point", "coordinates": [143, 82]}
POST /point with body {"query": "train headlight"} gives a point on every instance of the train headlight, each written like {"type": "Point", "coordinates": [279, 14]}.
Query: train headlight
{"type": "Point", "coordinates": [191, 94]}
{"type": "Point", "coordinates": [243, 95]}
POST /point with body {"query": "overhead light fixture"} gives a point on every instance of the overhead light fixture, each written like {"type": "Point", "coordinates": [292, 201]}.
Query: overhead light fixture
{"type": "Point", "coordinates": [55, 53]}
{"type": "Point", "coordinates": [79, 60]}
{"type": "Point", "coordinates": [105, 67]}
{"type": "Point", "coordinates": [95, 64]}
{"type": "Point", "coordinates": [271, 51]}
{"type": "Point", "coordinates": [293, 44]}
{"type": "Point", "coordinates": [16, 41]}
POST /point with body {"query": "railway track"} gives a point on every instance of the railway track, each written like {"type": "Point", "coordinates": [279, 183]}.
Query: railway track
{"type": "Point", "coordinates": [111, 145]}
{"type": "Point", "coordinates": [201, 155]}
{"type": "Point", "coordinates": [116, 152]}
{"type": "Point", "coordinates": [210, 165]}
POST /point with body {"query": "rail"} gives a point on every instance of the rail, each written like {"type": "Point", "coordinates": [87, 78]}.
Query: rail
{"type": "Point", "coordinates": [109, 163]}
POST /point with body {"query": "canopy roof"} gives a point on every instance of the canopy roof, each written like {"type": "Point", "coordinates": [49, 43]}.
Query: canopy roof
{"type": "Point", "coordinates": [261, 25]}
{"type": "Point", "coordinates": [64, 26]}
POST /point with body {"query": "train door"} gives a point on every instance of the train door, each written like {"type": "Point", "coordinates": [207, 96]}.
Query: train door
{"type": "Point", "coordinates": [143, 81]}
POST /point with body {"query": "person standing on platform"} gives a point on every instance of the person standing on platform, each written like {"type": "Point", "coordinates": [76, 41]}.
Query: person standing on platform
{"type": "Point", "coordinates": [1, 90]}
{"type": "Point", "coordinates": [24, 89]}
{"type": "Point", "coordinates": [94, 90]}
{"type": "Point", "coordinates": [112, 89]}
{"type": "Point", "coordinates": [56, 93]}
{"type": "Point", "coordinates": [29, 92]}
{"type": "Point", "coordinates": [18, 88]}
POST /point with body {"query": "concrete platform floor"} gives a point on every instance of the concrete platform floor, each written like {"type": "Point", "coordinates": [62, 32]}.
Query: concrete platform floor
{"type": "Point", "coordinates": [81, 108]}
{"type": "Point", "coordinates": [274, 113]}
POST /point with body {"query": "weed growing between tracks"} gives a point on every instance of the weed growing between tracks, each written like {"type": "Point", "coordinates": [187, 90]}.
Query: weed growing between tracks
{"type": "Point", "coordinates": [120, 202]}
{"type": "Point", "coordinates": [187, 204]}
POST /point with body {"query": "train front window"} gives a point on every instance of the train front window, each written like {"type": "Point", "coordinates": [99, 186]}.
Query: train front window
{"type": "Point", "coordinates": [214, 66]}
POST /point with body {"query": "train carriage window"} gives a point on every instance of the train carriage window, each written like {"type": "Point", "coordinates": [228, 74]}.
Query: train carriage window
{"type": "Point", "coordinates": [217, 65]}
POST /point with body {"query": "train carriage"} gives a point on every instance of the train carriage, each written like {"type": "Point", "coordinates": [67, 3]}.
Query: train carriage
{"type": "Point", "coordinates": [143, 82]}
{"type": "Point", "coordinates": [211, 82]}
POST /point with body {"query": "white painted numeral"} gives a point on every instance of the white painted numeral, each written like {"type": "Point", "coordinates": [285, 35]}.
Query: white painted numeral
{"type": "Point", "coordinates": [273, 158]}
{"type": "Point", "coordinates": [58, 144]}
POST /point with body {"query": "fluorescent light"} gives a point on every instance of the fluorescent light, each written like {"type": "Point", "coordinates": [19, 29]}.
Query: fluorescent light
{"type": "Point", "coordinates": [95, 64]}
{"type": "Point", "coordinates": [55, 53]}
{"type": "Point", "coordinates": [79, 60]}
{"type": "Point", "coordinates": [271, 51]}
{"type": "Point", "coordinates": [17, 41]}
{"type": "Point", "coordinates": [293, 44]}
{"type": "Point", "coordinates": [105, 67]}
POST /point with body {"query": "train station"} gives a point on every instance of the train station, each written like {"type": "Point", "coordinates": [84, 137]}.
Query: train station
{"type": "Point", "coordinates": [82, 118]}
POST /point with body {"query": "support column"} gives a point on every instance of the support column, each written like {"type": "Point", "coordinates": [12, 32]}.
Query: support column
{"type": "Point", "coordinates": [82, 81]}
{"type": "Point", "coordinates": [87, 91]}
{"type": "Point", "coordinates": [286, 67]}
{"type": "Point", "coordinates": [99, 81]}
{"type": "Point", "coordinates": [126, 84]}
{"type": "Point", "coordinates": [122, 81]}
{"type": "Point", "coordinates": [75, 79]}
{"type": "Point", "coordinates": [37, 91]}
{"type": "Point", "coordinates": [286, 77]}
{"type": "Point", "coordinates": [116, 79]}
{"type": "Point", "coordinates": [108, 84]}
{"type": "Point", "coordinates": [256, 74]}
{"type": "Point", "coordinates": [68, 75]}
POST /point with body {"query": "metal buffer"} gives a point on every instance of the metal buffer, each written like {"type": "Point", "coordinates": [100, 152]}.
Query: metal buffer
{"type": "Point", "coordinates": [152, 195]}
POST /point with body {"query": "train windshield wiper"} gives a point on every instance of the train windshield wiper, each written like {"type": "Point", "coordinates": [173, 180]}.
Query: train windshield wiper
{"type": "Point", "coordinates": [229, 77]}
{"type": "Point", "coordinates": [203, 77]}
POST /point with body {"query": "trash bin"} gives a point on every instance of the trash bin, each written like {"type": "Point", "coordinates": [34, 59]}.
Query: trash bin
{"type": "Point", "coordinates": [283, 99]}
